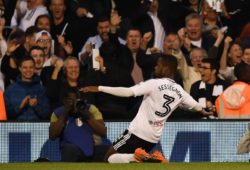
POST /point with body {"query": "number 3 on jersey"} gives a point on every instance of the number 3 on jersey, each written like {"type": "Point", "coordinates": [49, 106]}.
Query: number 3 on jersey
{"type": "Point", "coordinates": [169, 100]}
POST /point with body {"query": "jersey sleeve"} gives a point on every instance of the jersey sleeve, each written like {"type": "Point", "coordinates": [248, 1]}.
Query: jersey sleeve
{"type": "Point", "coordinates": [143, 88]}
{"type": "Point", "coordinates": [189, 103]}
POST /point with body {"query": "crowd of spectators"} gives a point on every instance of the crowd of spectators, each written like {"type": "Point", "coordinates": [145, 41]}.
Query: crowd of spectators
{"type": "Point", "coordinates": [59, 36]}
{"type": "Point", "coordinates": [48, 49]}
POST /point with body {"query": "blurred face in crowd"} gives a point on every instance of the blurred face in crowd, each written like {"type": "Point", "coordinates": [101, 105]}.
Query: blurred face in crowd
{"type": "Point", "coordinates": [196, 56]}
{"type": "Point", "coordinates": [171, 43]}
{"type": "Point", "coordinates": [57, 8]}
{"type": "Point", "coordinates": [207, 74]}
{"type": "Point", "coordinates": [133, 40]}
{"type": "Point", "coordinates": [246, 56]}
{"type": "Point", "coordinates": [44, 24]}
{"type": "Point", "coordinates": [194, 29]}
{"type": "Point", "coordinates": [44, 41]}
{"type": "Point", "coordinates": [154, 6]}
{"type": "Point", "coordinates": [27, 69]}
{"type": "Point", "coordinates": [103, 29]}
{"type": "Point", "coordinates": [72, 69]}
{"type": "Point", "coordinates": [39, 58]}
{"type": "Point", "coordinates": [235, 54]}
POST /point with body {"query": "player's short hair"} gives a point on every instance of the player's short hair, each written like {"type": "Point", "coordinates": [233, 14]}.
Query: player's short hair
{"type": "Point", "coordinates": [170, 61]}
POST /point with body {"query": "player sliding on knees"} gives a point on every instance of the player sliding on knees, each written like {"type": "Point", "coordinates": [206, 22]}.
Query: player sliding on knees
{"type": "Point", "coordinates": [161, 97]}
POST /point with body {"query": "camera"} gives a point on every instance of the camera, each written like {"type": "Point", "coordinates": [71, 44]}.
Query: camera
{"type": "Point", "coordinates": [80, 105]}
{"type": "Point", "coordinates": [81, 108]}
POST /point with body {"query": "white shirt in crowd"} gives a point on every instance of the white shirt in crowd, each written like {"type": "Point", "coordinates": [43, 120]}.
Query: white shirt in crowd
{"type": "Point", "coordinates": [29, 18]}
{"type": "Point", "coordinates": [159, 31]}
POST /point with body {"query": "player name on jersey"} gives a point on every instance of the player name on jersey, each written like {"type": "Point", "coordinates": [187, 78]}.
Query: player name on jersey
{"type": "Point", "coordinates": [170, 87]}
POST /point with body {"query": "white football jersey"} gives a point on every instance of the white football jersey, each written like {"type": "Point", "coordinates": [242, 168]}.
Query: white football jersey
{"type": "Point", "coordinates": [161, 98]}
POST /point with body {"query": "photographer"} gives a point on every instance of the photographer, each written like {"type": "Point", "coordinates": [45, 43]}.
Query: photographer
{"type": "Point", "coordinates": [75, 123]}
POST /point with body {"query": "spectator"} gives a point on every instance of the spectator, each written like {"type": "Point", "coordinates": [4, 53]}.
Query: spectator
{"type": "Point", "coordinates": [234, 102]}
{"type": "Point", "coordinates": [104, 35]}
{"type": "Point", "coordinates": [211, 19]}
{"type": "Point", "coordinates": [59, 18]}
{"type": "Point", "coordinates": [34, 9]}
{"type": "Point", "coordinates": [153, 21]}
{"type": "Point", "coordinates": [43, 22]}
{"type": "Point", "coordinates": [137, 66]}
{"type": "Point", "coordinates": [44, 40]}
{"type": "Point", "coordinates": [64, 78]}
{"type": "Point", "coordinates": [25, 99]}
{"type": "Point", "coordinates": [75, 123]}
{"type": "Point", "coordinates": [232, 54]}
{"type": "Point", "coordinates": [82, 25]}
{"type": "Point", "coordinates": [18, 46]}
{"type": "Point", "coordinates": [60, 23]}
{"type": "Point", "coordinates": [169, 48]}
{"type": "Point", "coordinates": [190, 74]}
{"type": "Point", "coordinates": [246, 54]}
{"type": "Point", "coordinates": [37, 53]}
{"type": "Point", "coordinates": [191, 36]}
{"type": "Point", "coordinates": [206, 90]}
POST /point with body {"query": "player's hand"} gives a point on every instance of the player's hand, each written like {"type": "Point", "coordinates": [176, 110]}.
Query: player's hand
{"type": "Point", "coordinates": [87, 89]}
{"type": "Point", "coordinates": [206, 112]}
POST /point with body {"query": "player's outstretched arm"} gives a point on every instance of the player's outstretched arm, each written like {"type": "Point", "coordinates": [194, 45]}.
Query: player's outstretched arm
{"type": "Point", "coordinates": [92, 89]}
{"type": "Point", "coordinates": [116, 91]}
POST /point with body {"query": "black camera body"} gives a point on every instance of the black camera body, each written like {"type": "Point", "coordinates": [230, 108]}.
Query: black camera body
{"type": "Point", "coordinates": [81, 108]}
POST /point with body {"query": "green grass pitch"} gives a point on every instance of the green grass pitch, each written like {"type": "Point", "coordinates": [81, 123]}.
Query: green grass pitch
{"type": "Point", "coordinates": [132, 166]}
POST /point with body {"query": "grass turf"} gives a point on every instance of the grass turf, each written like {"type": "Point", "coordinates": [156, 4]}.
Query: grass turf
{"type": "Point", "coordinates": [142, 166]}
